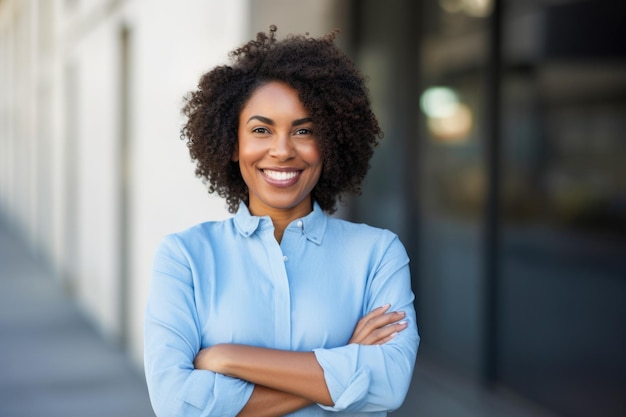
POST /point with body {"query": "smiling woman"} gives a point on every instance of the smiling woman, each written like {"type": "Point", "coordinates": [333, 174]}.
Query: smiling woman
{"type": "Point", "coordinates": [281, 309]}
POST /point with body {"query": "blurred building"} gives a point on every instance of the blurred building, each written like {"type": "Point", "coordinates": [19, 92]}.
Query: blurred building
{"type": "Point", "coordinates": [503, 167]}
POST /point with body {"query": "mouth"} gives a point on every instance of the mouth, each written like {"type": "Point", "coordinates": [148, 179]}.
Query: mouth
{"type": "Point", "coordinates": [281, 178]}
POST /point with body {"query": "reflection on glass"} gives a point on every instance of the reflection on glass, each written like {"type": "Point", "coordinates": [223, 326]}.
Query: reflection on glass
{"type": "Point", "coordinates": [447, 118]}
{"type": "Point", "coordinates": [451, 183]}
{"type": "Point", "coordinates": [561, 338]}
{"type": "Point", "coordinates": [474, 8]}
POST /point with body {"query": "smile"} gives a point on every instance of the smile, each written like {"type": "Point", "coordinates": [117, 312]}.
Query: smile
{"type": "Point", "coordinates": [280, 175]}
{"type": "Point", "coordinates": [281, 178]}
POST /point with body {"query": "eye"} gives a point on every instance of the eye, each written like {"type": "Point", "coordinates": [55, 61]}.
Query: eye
{"type": "Point", "coordinates": [261, 130]}
{"type": "Point", "coordinates": [303, 131]}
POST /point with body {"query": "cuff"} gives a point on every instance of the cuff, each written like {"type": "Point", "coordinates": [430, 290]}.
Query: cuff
{"type": "Point", "coordinates": [347, 383]}
{"type": "Point", "coordinates": [227, 398]}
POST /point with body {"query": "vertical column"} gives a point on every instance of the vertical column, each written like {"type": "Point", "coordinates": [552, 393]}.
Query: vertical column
{"type": "Point", "coordinates": [124, 158]}
{"type": "Point", "coordinates": [492, 211]}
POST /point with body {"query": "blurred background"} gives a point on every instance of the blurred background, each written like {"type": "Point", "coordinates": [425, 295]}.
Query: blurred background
{"type": "Point", "coordinates": [503, 170]}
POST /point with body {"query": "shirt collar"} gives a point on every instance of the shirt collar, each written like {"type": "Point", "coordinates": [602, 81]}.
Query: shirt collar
{"type": "Point", "coordinates": [313, 225]}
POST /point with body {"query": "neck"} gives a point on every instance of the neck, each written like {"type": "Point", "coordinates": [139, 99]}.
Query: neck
{"type": "Point", "coordinates": [280, 224]}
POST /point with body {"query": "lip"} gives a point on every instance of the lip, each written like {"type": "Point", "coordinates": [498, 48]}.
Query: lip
{"type": "Point", "coordinates": [281, 182]}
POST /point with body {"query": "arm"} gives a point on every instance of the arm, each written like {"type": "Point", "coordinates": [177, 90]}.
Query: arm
{"type": "Point", "coordinates": [287, 381]}
{"type": "Point", "coordinates": [172, 340]}
{"type": "Point", "coordinates": [268, 402]}
{"type": "Point", "coordinates": [297, 373]}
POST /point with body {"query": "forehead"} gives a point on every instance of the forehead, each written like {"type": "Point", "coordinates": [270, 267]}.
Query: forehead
{"type": "Point", "coordinates": [275, 97]}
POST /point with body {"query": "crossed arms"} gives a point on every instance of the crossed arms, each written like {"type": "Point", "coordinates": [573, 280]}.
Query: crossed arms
{"type": "Point", "coordinates": [286, 381]}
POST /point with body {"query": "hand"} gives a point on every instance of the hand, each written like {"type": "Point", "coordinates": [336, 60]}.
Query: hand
{"type": "Point", "coordinates": [378, 327]}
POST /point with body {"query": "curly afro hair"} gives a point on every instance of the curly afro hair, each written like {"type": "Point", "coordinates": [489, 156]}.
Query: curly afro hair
{"type": "Point", "coordinates": [331, 89]}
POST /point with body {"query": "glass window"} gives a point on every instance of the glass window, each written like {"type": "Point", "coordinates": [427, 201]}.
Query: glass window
{"type": "Point", "coordinates": [452, 179]}
{"type": "Point", "coordinates": [563, 278]}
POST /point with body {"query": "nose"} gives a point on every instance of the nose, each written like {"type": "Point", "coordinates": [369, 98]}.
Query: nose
{"type": "Point", "coordinates": [282, 147]}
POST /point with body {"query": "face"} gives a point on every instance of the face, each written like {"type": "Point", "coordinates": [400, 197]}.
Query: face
{"type": "Point", "coordinates": [278, 152]}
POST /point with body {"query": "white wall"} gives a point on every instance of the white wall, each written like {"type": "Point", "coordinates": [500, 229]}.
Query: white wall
{"type": "Point", "coordinates": [61, 151]}
{"type": "Point", "coordinates": [18, 115]}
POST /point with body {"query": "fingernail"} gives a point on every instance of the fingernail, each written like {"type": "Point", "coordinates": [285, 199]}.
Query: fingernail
{"type": "Point", "coordinates": [402, 323]}
{"type": "Point", "coordinates": [385, 306]}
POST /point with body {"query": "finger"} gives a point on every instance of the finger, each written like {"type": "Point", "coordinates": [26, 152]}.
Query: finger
{"type": "Point", "coordinates": [383, 320]}
{"type": "Point", "coordinates": [387, 339]}
{"type": "Point", "coordinates": [368, 324]}
{"type": "Point", "coordinates": [385, 334]}
{"type": "Point", "coordinates": [377, 328]}
{"type": "Point", "coordinates": [372, 314]}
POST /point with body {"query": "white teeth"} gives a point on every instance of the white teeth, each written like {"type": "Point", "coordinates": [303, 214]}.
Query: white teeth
{"type": "Point", "coordinates": [280, 175]}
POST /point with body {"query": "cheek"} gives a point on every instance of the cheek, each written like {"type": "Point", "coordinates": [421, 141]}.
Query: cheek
{"type": "Point", "coordinates": [248, 150]}
{"type": "Point", "coordinates": [313, 154]}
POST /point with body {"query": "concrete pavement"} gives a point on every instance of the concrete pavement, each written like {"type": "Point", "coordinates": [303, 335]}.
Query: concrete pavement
{"type": "Point", "coordinates": [52, 362]}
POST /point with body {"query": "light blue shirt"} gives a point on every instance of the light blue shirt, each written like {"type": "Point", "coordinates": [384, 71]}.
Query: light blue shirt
{"type": "Point", "coordinates": [231, 282]}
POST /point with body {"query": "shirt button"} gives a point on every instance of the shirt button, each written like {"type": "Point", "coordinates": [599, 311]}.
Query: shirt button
{"type": "Point", "coordinates": [299, 223]}
{"type": "Point", "coordinates": [285, 258]}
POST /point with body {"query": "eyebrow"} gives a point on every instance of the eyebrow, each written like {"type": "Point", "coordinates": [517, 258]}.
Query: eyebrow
{"type": "Point", "coordinates": [270, 122]}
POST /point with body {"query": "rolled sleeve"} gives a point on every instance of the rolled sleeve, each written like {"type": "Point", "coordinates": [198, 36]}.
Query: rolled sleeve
{"type": "Point", "coordinates": [213, 394]}
{"type": "Point", "coordinates": [172, 340]}
{"type": "Point", "coordinates": [366, 378]}
{"type": "Point", "coordinates": [348, 384]}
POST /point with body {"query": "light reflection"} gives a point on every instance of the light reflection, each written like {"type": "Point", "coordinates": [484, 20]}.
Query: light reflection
{"type": "Point", "coordinates": [447, 118]}
{"type": "Point", "coordinates": [474, 8]}
{"type": "Point", "coordinates": [439, 101]}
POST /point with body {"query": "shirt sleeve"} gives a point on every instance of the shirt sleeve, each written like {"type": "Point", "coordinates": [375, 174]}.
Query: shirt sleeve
{"type": "Point", "coordinates": [376, 378]}
{"type": "Point", "coordinates": [172, 339]}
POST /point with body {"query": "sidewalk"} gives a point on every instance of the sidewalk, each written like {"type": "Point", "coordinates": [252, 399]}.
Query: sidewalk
{"type": "Point", "coordinates": [437, 392]}
{"type": "Point", "coordinates": [54, 364]}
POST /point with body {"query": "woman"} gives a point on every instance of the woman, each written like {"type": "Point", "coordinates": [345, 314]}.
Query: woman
{"type": "Point", "coordinates": [280, 309]}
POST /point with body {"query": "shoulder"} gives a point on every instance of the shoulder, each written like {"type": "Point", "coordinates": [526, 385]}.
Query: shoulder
{"type": "Point", "coordinates": [357, 230]}
{"type": "Point", "coordinates": [378, 250]}
{"type": "Point", "coordinates": [361, 235]}
{"type": "Point", "coordinates": [205, 230]}
{"type": "Point", "coordinates": [198, 237]}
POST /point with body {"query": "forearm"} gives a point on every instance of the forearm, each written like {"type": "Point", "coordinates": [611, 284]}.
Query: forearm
{"type": "Point", "coordinates": [268, 402]}
{"type": "Point", "coordinates": [297, 373]}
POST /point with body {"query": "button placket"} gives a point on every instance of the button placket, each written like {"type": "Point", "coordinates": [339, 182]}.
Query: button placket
{"type": "Point", "coordinates": [282, 295]}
